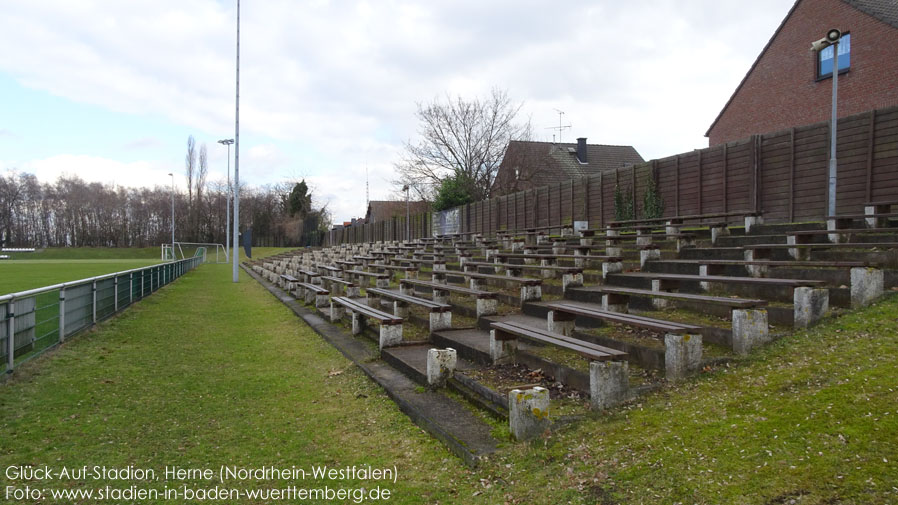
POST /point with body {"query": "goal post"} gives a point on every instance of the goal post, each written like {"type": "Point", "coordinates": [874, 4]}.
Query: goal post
{"type": "Point", "coordinates": [210, 252]}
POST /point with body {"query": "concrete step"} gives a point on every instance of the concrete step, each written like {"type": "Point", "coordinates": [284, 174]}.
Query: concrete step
{"type": "Point", "coordinates": [472, 344]}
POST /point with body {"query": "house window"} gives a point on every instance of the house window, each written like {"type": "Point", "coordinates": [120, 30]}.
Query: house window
{"type": "Point", "coordinates": [825, 58]}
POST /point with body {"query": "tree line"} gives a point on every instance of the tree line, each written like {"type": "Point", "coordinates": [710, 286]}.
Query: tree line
{"type": "Point", "coordinates": [73, 212]}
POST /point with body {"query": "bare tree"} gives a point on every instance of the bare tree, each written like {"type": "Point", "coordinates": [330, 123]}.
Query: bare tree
{"type": "Point", "coordinates": [202, 172]}
{"type": "Point", "coordinates": [190, 172]}
{"type": "Point", "coordinates": [461, 138]}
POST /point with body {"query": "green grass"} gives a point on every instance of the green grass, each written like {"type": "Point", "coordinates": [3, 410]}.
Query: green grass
{"type": "Point", "coordinates": [18, 275]}
{"type": "Point", "coordinates": [206, 372]}
{"type": "Point", "coordinates": [90, 253]}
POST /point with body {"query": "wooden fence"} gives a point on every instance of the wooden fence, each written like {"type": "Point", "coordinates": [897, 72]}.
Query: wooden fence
{"type": "Point", "coordinates": [782, 174]}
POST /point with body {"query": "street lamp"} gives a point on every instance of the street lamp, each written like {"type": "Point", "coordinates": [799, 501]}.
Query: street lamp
{"type": "Point", "coordinates": [831, 39]}
{"type": "Point", "coordinates": [228, 143]}
{"type": "Point", "coordinates": [172, 215]}
{"type": "Point", "coordinates": [237, 154]}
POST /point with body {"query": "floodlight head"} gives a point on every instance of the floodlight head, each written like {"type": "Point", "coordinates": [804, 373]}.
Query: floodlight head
{"type": "Point", "coordinates": [226, 142]}
{"type": "Point", "coordinates": [832, 36]}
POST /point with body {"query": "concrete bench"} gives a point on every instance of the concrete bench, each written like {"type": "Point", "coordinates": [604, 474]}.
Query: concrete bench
{"type": "Point", "coordinates": [408, 271]}
{"type": "Point", "coordinates": [309, 276]}
{"type": "Point", "coordinates": [570, 276]}
{"type": "Point", "coordinates": [380, 280]}
{"type": "Point", "coordinates": [486, 302]}
{"type": "Point", "coordinates": [608, 372]}
{"type": "Point", "coordinates": [440, 313]}
{"type": "Point", "coordinates": [338, 286]}
{"type": "Point", "coordinates": [288, 282]}
{"type": "Point", "coordinates": [531, 288]}
{"type": "Point", "coordinates": [835, 235]}
{"type": "Point", "coordinates": [312, 293]}
{"type": "Point", "coordinates": [749, 317]}
{"type": "Point", "coordinates": [333, 271]}
{"type": "Point", "coordinates": [390, 325]}
{"type": "Point", "coordinates": [758, 268]}
{"type": "Point", "coordinates": [580, 261]}
{"type": "Point", "coordinates": [802, 252]}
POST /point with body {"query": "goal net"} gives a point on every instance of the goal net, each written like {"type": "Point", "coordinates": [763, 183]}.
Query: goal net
{"type": "Point", "coordinates": [210, 252]}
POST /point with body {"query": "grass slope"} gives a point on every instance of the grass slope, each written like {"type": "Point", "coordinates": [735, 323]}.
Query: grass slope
{"type": "Point", "coordinates": [206, 372]}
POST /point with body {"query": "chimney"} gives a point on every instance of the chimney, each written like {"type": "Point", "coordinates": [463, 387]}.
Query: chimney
{"type": "Point", "coordinates": [581, 150]}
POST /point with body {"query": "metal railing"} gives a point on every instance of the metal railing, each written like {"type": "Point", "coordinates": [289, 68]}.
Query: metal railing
{"type": "Point", "coordinates": [40, 319]}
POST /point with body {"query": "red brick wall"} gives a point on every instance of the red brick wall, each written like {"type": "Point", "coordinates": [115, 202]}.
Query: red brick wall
{"type": "Point", "coordinates": [782, 90]}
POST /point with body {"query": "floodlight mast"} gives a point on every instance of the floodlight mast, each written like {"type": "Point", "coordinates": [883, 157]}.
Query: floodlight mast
{"type": "Point", "coordinates": [172, 215]}
{"type": "Point", "coordinates": [832, 38]}
{"type": "Point", "coordinates": [237, 154]}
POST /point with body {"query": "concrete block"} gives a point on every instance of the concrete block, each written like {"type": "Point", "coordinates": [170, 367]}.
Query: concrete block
{"type": "Point", "coordinates": [647, 255]}
{"type": "Point", "coordinates": [337, 311]}
{"type": "Point", "coordinates": [615, 303]}
{"type": "Point", "coordinates": [750, 329]}
{"type": "Point", "coordinates": [682, 355]}
{"type": "Point", "coordinates": [440, 366]}
{"type": "Point", "coordinates": [659, 303]}
{"type": "Point", "coordinates": [685, 243]}
{"type": "Point", "coordinates": [441, 296]}
{"type": "Point", "coordinates": [571, 281]}
{"type": "Point", "coordinates": [358, 323]}
{"type": "Point", "coordinates": [390, 335]}
{"type": "Point", "coordinates": [531, 293]}
{"type": "Point", "coordinates": [400, 309]}
{"type": "Point", "coordinates": [809, 305]}
{"type": "Point", "coordinates": [485, 306]}
{"type": "Point", "coordinates": [609, 383]}
{"type": "Point", "coordinates": [751, 221]}
{"type": "Point", "coordinates": [717, 232]}
{"type": "Point", "coordinates": [382, 283]}
{"type": "Point", "coordinates": [478, 284]}
{"type": "Point", "coordinates": [353, 291]}
{"type": "Point", "coordinates": [560, 322]}
{"type": "Point", "coordinates": [322, 300]}
{"type": "Point", "coordinates": [517, 245]}
{"type": "Point", "coordinates": [867, 284]}
{"type": "Point", "coordinates": [703, 271]}
{"type": "Point", "coordinates": [440, 321]}
{"type": "Point", "coordinates": [612, 267]}
{"type": "Point", "coordinates": [528, 413]}
{"type": "Point", "coordinates": [643, 239]}
{"type": "Point", "coordinates": [613, 250]}
{"type": "Point", "coordinates": [874, 222]}
{"type": "Point", "coordinates": [501, 349]}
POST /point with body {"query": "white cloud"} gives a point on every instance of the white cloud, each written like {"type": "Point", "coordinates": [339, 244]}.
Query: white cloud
{"type": "Point", "coordinates": [97, 169]}
{"type": "Point", "coordinates": [340, 80]}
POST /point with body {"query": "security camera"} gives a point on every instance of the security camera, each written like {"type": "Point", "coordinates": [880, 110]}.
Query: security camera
{"type": "Point", "coordinates": [832, 36]}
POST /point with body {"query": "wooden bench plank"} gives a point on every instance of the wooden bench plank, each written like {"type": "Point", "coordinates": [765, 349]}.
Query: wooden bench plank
{"type": "Point", "coordinates": [657, 325]}
{"type": "Point", "coordinates": [588, 349]}
{"type": "Point", "coordinates": [724, 279]}
{"type": "Point", "coordinates": [647, 293]}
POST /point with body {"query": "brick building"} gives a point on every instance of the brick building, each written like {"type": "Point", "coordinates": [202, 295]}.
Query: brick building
{"type": "Point", "coordinates": [789, 85]}
{"type": "Point", "coordinates": [527, 165]}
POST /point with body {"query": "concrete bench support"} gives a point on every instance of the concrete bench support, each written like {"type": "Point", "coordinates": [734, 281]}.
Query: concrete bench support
{"type": "Point", "coordinates": [612, 267]}
{"type": "Point", "coordinates": [609, 383]}
{"type": "Point", "coordinates": [440, 366]}
{"type": "Point", "coordinates": [615, 303]}
{"type": "Point", "coordinates": [440, 321]}
{"type": "Point", "coordinates": [682, 355]}
{"type": "Point", "coordinates": [750, 329]}
{"type": "Point", "coordinates": [810, 305]}
{"type": "Point", "coordinates": [390, 335]}
{"type": "Point", "coordinates": [500, 350]}
{"type": "Point", "coordinates": [752, 221]}
{"type": "Point", "coordinates": [718, 231]}
{"type": "Point", "coordinates": [560, 322]}
{"type": "Point", "coordinates": [533, 293]}
{"type": "Point", "coordinates": [528, 413]}
{"type": "Point", "coordinates": [485, 306]}
{"type": "Point", "coordinates": [867, 284]}
{"type": "Point", "coordinates": [648, 255]}
{"type": "Point", "coordinates": [571, 281]}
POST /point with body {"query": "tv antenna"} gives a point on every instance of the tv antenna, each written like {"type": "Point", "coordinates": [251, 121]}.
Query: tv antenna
{"type": "Point", "coordinates": [561, 126]}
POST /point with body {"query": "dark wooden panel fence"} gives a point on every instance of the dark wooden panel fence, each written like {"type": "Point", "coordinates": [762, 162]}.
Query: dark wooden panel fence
{"type": "Point", "coordinates": [783, 174]}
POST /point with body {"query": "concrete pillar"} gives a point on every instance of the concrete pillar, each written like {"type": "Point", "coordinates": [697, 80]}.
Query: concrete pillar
{"type": "Point", "coordinates": [570, 280]}
{"type": "Point", "coordinates": [528, 413]}
{"type": "Point", "coordinates": [390, 335]}
{"type": "Point", "coordinates": [501, 349]}
{"type": "Point", "coordinates": [867, 284]}
{"type": "Point", "coordinates": [358, 323]}
{"type": "Point", "coordinates": [685, 243]}
{"type": "Point", "coordinates": [559, 247]}
{"type": "Point", "coordinates": [659, 303]}
{"type": "Point", "coordinates": [719, 231]}
{"type": "Point", "coordinates": [485, 306]}
{"type": "Point", "coordinates": [440, 366]}
{"type": "Point", "coordinates": [613, 250]}
{"type": "Point", "coordinates": [440, 320]}
{"type": "Point", "coordinates": [703, 271]}
{"type": "Point", "coordinates": [682, 355]}
{"type": "Point", "coordinates": [871, 221]}
{"type": "Point", "coordinates": [372, 300]}
{"type": "Point", "coordinates": [441, 296]}
{"type": "Point", "coordinates": [321, 300]}
{"type": "Point", "coordinates": [531, 293]}
{"type": "Point", "coordinates": [648, 255]}
{"type": "Point", "coordinates": [609, 383]}
{"type": "Point", "coordinates": [612, 267]}
{"type": "Point", "coordinates": [336, 312]}
{"type": "Point", "coordinates": [752, 221]}
{"type": "Point", "coordinates": [382, 282]}
{"type": "Point", "coordinates": [400, 309]}
{"type": "Point", "coordinates": [615, 303]}
{"type": "Point", "coordinates": [809, 305]}
{"type": "Point", "coordinates": [560, 322]}
{"type": "Point", "coordinates": [750, 329]}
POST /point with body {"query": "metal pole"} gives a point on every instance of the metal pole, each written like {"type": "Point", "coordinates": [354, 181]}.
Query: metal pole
{"type": "Point", "coordinates": [62, 315]}
{"type": "Point", "coordinates": [93, 304]}
{"type": "Point", "coordinates": [407, 234]}
{"type": "Point", "coordinates": [237, 153]}
{"type": "Point", "coordinates": [228, 209]}
{"type": "Point", "coordinates": [831, 210]}
{"type": "Point", "coordinates": [172, 216]}
{"type": "Point", "coordinates": [11, 335]}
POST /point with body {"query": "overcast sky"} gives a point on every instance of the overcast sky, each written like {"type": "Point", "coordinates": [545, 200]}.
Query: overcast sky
{"type": "Point", "coordinates": [110, 89]}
